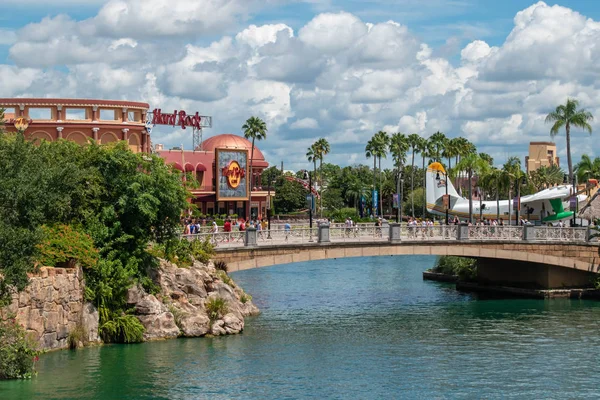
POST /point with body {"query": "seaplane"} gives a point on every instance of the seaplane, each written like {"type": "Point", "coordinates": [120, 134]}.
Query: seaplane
{"type": "Point", "coordinates": [544, 207]}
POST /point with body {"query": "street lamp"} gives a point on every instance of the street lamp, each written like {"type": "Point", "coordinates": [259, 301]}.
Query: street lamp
{"type": "Point", "coordinates": [269, 204]}
{"type": "Point", "coordinates": [437, 178]}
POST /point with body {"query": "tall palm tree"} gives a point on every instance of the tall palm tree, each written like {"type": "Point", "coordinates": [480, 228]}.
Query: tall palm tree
{"type": "Point", "coordinates": [399, 146]}
{"type": "Point", "coordinates": [255, 129]}
{"type": "Point", "coordinates": [471, 164]}
{"type": "Point", "coordinates": [383, 142]}
{"type": "Point", "coordinates": [324, 148]}
{"type": "Point", "coordinates": [438, 142]}
{"type": "Point", "coordinates": [494, 180]}
{"type": "Point", "coordinates": [567, 115]}
{"type": "Point", "coordinates": [487, 158]}
{"type": "Point", "coordinates": [424, 149]}
{"type": "Point", "coordinates": [371, 151]}
{"type": "Point", "coordinates": [413, 140]}
{"type": "Point", "coordinates": [513, 173]}
{"type": "Point", "coordinates": [587, 168]}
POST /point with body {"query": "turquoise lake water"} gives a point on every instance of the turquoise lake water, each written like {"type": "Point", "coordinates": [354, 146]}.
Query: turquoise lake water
{"type": "Point", "coordinates": [367, 328]}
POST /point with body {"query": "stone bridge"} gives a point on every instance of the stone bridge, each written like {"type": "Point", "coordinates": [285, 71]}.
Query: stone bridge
{"type": "Point", "coordinates": [508, 260]}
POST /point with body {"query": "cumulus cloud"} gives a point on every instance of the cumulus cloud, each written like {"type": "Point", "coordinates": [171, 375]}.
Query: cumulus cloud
{"type": "Point", "coordinates": [337, 77]}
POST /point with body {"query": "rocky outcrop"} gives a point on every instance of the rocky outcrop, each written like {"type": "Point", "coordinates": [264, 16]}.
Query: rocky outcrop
{"type": "Point", "coordinates": [52, 306]}
{"type": "Point", "coordinates": [180, 309]}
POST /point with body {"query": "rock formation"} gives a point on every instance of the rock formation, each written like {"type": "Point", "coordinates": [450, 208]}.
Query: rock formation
{"type": "Point", "coordinates": [180, 307]}
{"type": "Point", "coordinates": [52, 306]}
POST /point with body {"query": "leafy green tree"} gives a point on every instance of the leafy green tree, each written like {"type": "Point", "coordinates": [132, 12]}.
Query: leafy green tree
{"type": "Point", "coordinates": [545, 177]}
{"type": "Point", "coordinates": [471, 164]}
{"type": "Point", "coordinates": [256, 129]}
{"type": "Point", "coordinates": [322, 148]}
{"type": "Point", "coordinates": [568, 115]}
{"type": "Point", "coordinates": [587, 168]}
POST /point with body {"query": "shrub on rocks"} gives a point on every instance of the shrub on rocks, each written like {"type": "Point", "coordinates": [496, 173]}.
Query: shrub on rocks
{"type": "Point", "coordinates": [18, 353]}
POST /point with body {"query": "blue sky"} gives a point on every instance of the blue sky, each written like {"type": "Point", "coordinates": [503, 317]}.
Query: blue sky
{"type": "Point", "coordinates": [488, 70]}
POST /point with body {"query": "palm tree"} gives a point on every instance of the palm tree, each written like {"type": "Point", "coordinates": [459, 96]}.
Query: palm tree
{"type": "Point", "coordinates": [492, 180]}
{"type": "Point", "coordinates": [487, 158]}
{"type": "Point", "coordinates": [312, 154]}
{"type": "Point", "coordinates": [424, 149]}
{"type": "Point", "coordinates": [399, 146]}
{"type": "Point", "coordinates": [322, 147]}
{"type": "Point", "coordinates": [471, 164]}
{"type": "Point", "coordinates": [383, 142]}
{"type": "Point", "coordinates": [514, 173]}
{"type": "Point", "coordinates": [545, 177]}
{"type": "Point", "coordinates": [567, 115]}
{"type": "Point", "coordinates": [438, 142]}
{"type": "Point", "coordinates": [255, 129]}
{"type": "Point", "coordinates": [587, 168]}
{"type": "Point", "coordinates": [371, 151]}
{"type": "Point", "coordinates": [413, 141]}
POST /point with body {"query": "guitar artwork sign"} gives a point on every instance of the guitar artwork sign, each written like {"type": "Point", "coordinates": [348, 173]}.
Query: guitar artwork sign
{"type": "Point", "coordinates": [232, 174]}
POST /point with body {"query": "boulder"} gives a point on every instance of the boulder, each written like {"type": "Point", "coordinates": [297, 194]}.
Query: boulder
{"type": "Point", "coordinates": [194, 325]}
{"type": "Point", "coordinates": [90, 320]}
{"type": "Point", "coordinates": [217, 328]}
{"type": "Point", "coordinates": [149, 305]}
{"type": "Point", "coordinates": [233, 324]}
{"type": "Point", "coordinates": [159, 326]}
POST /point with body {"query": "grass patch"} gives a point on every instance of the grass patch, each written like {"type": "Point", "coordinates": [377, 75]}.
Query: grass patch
{"type": "Point", "coordinates": [221, 265]}
{"type": "Point", "coordinates": [225, 278]}
{"type": "Point", "coordinates": [216, 308]}
{"type": "Point", "coordinates": [76, 336]}
{"type": "Point", "coordinates": [245, 298]}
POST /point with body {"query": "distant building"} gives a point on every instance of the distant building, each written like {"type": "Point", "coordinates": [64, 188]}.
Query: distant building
{"type": "Point", "coordinates": [541, 154]}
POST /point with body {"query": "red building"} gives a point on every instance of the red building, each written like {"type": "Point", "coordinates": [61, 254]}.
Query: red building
{"type": "Point", "coordinates": [79, 120]}
{"type": "Point", "coordinates": [218, 178]}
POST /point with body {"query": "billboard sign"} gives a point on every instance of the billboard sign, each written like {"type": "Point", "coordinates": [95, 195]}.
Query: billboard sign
{"type": "Point", "coordinates": [231, 174]}
{"type": "Point", "coordinates": [181, 119]}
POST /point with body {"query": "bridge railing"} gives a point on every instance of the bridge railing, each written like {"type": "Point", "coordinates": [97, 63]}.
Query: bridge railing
{"type": "Point", "coordinates": [551, 233]}
{"type": "Point", "coordinates": [436, 232]}
{"type": "Point", "coordinates": [495, 232]}
{"type": "Point", "coordinates": [358, 233]}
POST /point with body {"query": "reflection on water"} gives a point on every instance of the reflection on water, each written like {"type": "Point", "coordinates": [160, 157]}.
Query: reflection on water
{"type": "Point", "coordinates": [350, 328]}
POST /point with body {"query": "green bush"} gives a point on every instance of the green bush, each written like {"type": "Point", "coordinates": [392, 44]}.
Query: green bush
{"type": "Point", "coordinates": [463, 267]}
{"type": "Point", "coordinates": [182, 251]}
{"type": "Point", "coordinates": [244, 298]}
{"type": "Point", "coordinates": [18, 353]}
{"type": "Point", "coordinates": [65, 246]}
{"type": "Point", "coordinates": [221, 265]}
{"type": "Point", "coordinates": [122, 329]}
{"type": "Point", "coordinates": [216, 308]}
{"type": "Point", "coordinates": [75, 336]}
{"type": "Point", "coordinates": [343, 213]}
{"type": "Point", "coordinates": [222, 275]}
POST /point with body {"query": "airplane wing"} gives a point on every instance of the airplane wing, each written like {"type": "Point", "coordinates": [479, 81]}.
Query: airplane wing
{"type": "Point", "coordinates": [551, 198]}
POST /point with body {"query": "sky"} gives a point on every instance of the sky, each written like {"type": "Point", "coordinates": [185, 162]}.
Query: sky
{"type": "Point", "coordinates": [341, 69]}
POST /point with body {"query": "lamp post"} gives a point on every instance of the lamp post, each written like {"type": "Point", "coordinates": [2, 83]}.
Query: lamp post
{"type": "Point", "coordinates": [574, 222]}
{"type": "Point", "coordinates": [438, 178]}
{"type": "Point", "coordinates": [269, 205]}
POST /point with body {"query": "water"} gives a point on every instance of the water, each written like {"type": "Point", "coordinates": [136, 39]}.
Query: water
{"type": "Point", "coordinates": [366, 328]}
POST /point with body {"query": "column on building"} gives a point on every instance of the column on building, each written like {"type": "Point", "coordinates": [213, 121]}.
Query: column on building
{"type": "Point", "coordinates": [124, 118]}
{"type": "Point", "coordinates": [125, 134]}
{"type": "Point", "coordinates": [59, 115]}
{"type": "Point", "coordinates": [95, 134]}
{"type": "Point", "coordinates": [94, 114]}
{"type": "Point", "coordinates": [59, 129]}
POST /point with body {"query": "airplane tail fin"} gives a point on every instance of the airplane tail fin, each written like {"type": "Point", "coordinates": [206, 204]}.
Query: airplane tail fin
{"type": "Point", "coordinates": [435, 185]}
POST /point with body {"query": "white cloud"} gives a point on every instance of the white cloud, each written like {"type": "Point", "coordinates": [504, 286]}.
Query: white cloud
{"type": "Point", "coordinates": [305, 123]}
{"type": "Point", "coordinates": [7, 37]}
{"type": "Point", "coordinates": [339, 77]}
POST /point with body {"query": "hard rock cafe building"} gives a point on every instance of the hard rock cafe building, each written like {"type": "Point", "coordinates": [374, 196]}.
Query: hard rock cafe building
{"type": "Point", "coordinates": [216, 174]}
{"type": "Point", "coordinates": [79, 120]}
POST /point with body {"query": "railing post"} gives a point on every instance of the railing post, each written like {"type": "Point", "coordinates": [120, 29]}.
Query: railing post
{"type": "Point", "coordinates": [528, 232]}
{"type": "Point", "coordinates": [394, 233]}
{"type": "Point", "coordinates": [323, 233]}
{"type": "Point", "coordinates": [588, 234]}
{"type": "Point", "coordinates": [250, 238]}
{"type": "Point", "coordinates": [462, 232]}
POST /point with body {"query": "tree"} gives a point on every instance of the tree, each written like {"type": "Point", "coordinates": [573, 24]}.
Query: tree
{"type": "Point", "coordinates": [438, 143]}
{"type": "Point", "coordinates": [471, 164]}
{"type": "Point", "coordinates": [414, 142]}
{"type": "Point", "coordinates": [322, 148]}
{"type": "Point", "coordinates": [382, 143]}
{"type": "Point", "coordinates": [399, 146]}
{"type": "Point", "coordinates": [487, 158]}
{"type": "Point", "coordinates": [567, 115]}
{"type": "Point", "coordinates": [493, 180]}
{"type": "Point", "coordinates": [371, 150]}
{"type": "Point", "coordinates": [255, 129]}
{"type": "Point", "coordinates": [587, 168]}
{"type": "Point", "coordinates": [545, 177]}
